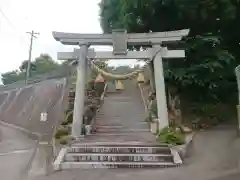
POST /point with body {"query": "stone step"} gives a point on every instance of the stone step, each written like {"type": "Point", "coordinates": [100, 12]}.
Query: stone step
{"type": "Point", "coordinates": [138, 144]}
{"type": "Point", "coordinates": [140, 136]}
{"type": "Point", "coordinates": [113, 165]}
{"type": "Point", "coordinates": [118, 130]}
{"type": "Point", "coordinates": [113, 157]}
{"type": "Point", "coordinates": [113, 134]}
{"type": "Point", "coordinates": [109, 126]}
{"type": "Point", "coordinates": [120, 149]}
{"type": "Point", "coordinates": [118, 125]}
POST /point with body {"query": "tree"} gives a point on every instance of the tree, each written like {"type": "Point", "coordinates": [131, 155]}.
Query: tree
{"type": "Point", "coordinates": [102, 65]}
{"type": "Point", "coordinates": [12, 76]}
{"type": "Point", "coordinates": [23, 67]}
{"type": "Point", "coordinates": [42, 64]}
{"type": "Point", "coordinates": [211, 47]}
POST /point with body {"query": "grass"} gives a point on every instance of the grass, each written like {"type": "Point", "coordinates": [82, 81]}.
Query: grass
{"type": "Point", "coordinates": [171, 135]}
{"type": "Point", "coordinates": [62, 131]}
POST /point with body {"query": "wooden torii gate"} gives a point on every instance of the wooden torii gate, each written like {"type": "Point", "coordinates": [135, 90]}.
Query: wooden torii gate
{"type": "Point", "coordinates": [119, 39]}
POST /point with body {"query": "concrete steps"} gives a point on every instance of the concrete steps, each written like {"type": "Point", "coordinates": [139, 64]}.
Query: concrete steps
{"type": "Point", "coordinates": [114, 157]}
{"type": "Point", "coordinates": [120, 149]}
{"type": "Point", "coordinates": [120, 129]}
{"type": "Point", "coordinates": [121, 139]}
{"type": "Point", "coordinates": [118, 155]}
{"type": "Point", "coordinates": [114, 165]}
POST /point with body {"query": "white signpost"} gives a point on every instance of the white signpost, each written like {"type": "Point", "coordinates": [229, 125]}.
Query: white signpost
{"type": "Point", "coordinates": [119, 39]}
{"type": "Point", "coordinates": [43, 117]}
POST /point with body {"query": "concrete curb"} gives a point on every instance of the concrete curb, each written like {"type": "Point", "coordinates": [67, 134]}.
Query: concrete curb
{"type": "Point", "coordinates": [176, 157]}
{"type": "Point", "coordinates": [184, 150]}
{"type": "Point", "coordinates": [59, 159]}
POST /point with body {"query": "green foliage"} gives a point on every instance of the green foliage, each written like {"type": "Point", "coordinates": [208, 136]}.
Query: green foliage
{"type": "Point", "coordinates": [24, 65]}
{"type": "Point", "coordinates": [83, 130]}
{"type": "Point", "coordinates": [153, 108]}
{"type": "Point", "coordinates": [42, 64]}
{"type": "Point", "coordinates": [99, 88]}
{"type": "Point", "coordinates": [102, 64]}
{"type": "Point", "coordinates": [12, 76]}
{"type": "Point", "coordinates": [62, 131]}
{"type": "Point", "coordinates": [149, 118]}
{"type": "Point", "coordinates": [212, 47]}
{"type": "Point", "coordinates": [68, 118]}
{"type": "Point", "coordinates": [211, 114]}
{"type": "Point", "coordinates": [207, 71]}
{"type": "Point", "coordinates": [171, 135]}
{"type": "Point", "coordinates": [63, 141]}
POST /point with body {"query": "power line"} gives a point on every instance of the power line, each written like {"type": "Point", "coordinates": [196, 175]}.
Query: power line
{"type": "Point", "coordinates": [11, 24]}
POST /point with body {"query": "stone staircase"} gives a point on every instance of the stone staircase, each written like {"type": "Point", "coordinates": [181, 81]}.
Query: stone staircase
{"type": "Point", "coordinates": [118, 155]}
{"type": "Point", "coordinates": [122, 138]}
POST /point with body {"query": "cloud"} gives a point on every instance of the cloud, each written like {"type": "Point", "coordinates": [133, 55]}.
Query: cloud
{"type": "Point", "coordinates": [43, 16]}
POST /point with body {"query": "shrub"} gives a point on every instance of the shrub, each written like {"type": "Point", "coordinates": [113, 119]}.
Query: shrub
{"type": "Point", "coordinates": [99, 88]}
{"type": "Point", "coordinates": [63, 141]}
{"type": "Point", "coordinates": [83, 130]}
{"type": "Point", "coordinates": [149, 117]}
{"type": "Point", "coordinates": [68, 118]}
{"type": "Point", "coordinates": [62, 131]}
{"type": "Point", "coordinates": [153, 108]}
{"type": "Point", "coordinates": [171, 135]}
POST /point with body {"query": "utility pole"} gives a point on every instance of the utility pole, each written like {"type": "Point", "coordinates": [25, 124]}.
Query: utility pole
{"type": "Point", "coordinates": [32, 33]}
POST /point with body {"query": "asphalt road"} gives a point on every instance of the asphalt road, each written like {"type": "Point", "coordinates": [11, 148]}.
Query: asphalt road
{"type": "Point", "coordinates": [16, 150]}
{"type": "Point", "coordinates": [231, 176]}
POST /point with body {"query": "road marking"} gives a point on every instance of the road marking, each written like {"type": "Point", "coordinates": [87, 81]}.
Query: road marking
{"type": "Point", "coordinates": [15, 152]}
{"type": "Point", "coordinates": [17, 128]}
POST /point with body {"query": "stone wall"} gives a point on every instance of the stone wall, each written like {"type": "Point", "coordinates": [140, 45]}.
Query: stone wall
{"type": "Point", "coordinates": [23, 107]}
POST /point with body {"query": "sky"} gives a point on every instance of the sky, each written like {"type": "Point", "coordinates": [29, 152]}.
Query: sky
{"type": "Point", "coordinates": [44, 16]}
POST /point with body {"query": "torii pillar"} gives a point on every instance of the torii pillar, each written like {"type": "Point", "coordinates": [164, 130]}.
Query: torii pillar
{"type": "Point", "coordinates": [80, 92]}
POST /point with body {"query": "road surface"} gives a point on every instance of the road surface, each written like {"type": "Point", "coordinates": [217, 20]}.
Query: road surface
{"type": "Point", "coordinates": [16, 150]}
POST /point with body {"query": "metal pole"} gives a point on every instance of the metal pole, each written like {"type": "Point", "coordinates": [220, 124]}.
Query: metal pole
{"type": "Point", "coordinates": [79, 95]}
{"type": "Point", "coordinates": [32, 33]}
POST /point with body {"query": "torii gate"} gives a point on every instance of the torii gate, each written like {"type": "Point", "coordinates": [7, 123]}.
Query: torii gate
{"type": "Point", "coordinates": [119, 39]}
